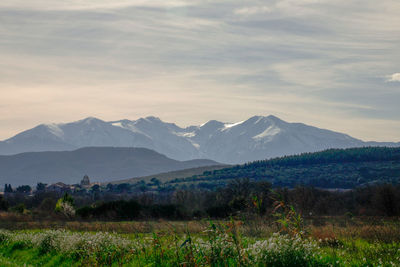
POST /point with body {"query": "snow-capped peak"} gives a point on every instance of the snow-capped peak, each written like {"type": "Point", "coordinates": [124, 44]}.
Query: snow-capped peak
{"type": "Point", "coordinates": [256, 138]}
{"type": "Point", "coordinates": [89, 120]}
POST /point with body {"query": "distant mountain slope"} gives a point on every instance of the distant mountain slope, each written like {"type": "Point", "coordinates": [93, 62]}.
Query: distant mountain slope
{"type": "Point", "coordinates": [254, 139]}
{"type": "Point", "coordinates": [100, 163]}
{"type": "Point", "coordinates": [167, 176]}
{"type": "Point", "coordinates": [334, 168]}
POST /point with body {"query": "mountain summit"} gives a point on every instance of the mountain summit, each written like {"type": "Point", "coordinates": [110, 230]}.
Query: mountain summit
{"type": "Point", "coordinates": [259, 137]}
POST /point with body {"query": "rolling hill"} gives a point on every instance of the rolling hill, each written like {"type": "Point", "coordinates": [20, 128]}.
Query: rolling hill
{"type": "Point", "coordinates": [167, 176]}
{"type": "Point", "coordinates": [100, 163]}
{"type": "Point", "coordinates": [333, 168]}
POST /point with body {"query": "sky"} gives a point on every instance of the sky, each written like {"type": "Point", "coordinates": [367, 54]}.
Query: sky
{"type": "Point", "coordinates": [333, 64]}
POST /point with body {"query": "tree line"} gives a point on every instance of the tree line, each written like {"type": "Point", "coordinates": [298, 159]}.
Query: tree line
{"type": "Point", "coordinates": [241, 197]}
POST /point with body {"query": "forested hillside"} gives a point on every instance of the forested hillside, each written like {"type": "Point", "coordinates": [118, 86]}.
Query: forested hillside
{"type": "Point", "coordinates": [333, 168]}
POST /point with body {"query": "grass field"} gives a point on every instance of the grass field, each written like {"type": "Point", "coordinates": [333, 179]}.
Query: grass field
{"type": "Point", "coordinates": [203, 243]}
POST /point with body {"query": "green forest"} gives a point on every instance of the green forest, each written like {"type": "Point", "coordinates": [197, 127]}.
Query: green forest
{"type": "Point", "coordinates": [333, 168]}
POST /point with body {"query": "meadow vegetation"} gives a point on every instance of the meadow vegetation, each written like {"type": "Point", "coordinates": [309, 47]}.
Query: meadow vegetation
{"type": "Point", "coordinates": [228, 243]}
{"type": "Point", "coordinates": [284, 239]}
{"type": "Point", "coordinates": [238, 216]}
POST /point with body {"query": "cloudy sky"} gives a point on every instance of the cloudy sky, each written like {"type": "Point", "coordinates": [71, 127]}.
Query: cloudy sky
{"type": "Point", "coordinates": [330, 63]}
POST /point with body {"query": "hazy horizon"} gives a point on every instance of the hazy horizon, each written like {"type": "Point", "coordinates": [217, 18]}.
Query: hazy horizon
{"type": "Point", "coordinates": [329, 64]}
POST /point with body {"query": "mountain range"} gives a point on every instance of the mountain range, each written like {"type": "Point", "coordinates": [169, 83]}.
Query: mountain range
{"type": "Point", "coordinates": [257, 138]}
{"type": "Point", "coordinates": [102, 164]}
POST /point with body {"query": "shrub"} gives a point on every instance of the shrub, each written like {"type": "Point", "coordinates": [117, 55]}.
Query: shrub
{"type": "Point", "coordinates": [120, 209]}
{"type": "Point", "coordinates": [20, 208]}
{"type": "Point", "coordinates": [65, 205]}
{"type": "Point", "coordinates": [4, 236]}
{"type": "Point", "coordinates": [282, 250]}
{"type": "Point", "coordinates": [165, 211]}
{"type": "Point", "coordinates": [222, 211]}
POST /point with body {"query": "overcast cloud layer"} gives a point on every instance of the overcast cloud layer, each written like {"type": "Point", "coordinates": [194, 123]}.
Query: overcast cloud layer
{"type": "Point", "coordinates": [329, 63]}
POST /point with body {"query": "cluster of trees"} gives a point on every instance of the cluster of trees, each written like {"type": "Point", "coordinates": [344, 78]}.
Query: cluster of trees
{"type": "Point", "coordinates": [8, 188]}
{"type": "Point", "coordinates": [20, 189]}
{"type": "Point", "coordinates": [141, 186]}
{"type": "Point", "coordinates": [333, 168]}
{"type": "Point", "coordinates": [363, 154]}
{"type": "Point", "coordinates": [241, 197]}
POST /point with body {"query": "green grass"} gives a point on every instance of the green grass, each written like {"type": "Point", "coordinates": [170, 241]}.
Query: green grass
{"type": "Point", "coordinates": [363, 253]}
{"type": "Point", "coordinates": [12, 255]}
{"type": "Point", "coordinates": [219, 244]}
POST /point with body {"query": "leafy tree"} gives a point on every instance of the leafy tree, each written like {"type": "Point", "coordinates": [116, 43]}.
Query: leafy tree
{"type": "Point", "coordinates": [8, 188]}
{"type": "Point", "coordinates": [40, 187]}
{"type": "Point", "coordinates": [65, 205]}
{"type": "Point", "coordinates": [20, 208]}
{"type": "Point", "coordinates": [48, 204]}
{"type": "Point", "coordinates": [110, 187]}
{"type": "Point", "coordinates": [24, 189]}
{"type": "Point", "coordinates": [123, 187]}
{"type": "Point", "coordinates": [95, 188]}
{"type": "Point", "coordinates": [67, 198]}
{"type": "Point", "coordinates": [155, 181]}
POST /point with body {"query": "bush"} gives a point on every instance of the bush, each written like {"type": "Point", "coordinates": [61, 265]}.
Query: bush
{"type": "Point", "coordinates": [120, 209]}
{"type": "Point", "coordinates": [219, 211]}
{"type": "Point", "coordinates": [282, 250]}
{"type": "Point", "coordinates": [166, 211]}
{"type": "Point", "coordinates": [20, 208]}
{"type": "Point", "coordinates": [65, 205]}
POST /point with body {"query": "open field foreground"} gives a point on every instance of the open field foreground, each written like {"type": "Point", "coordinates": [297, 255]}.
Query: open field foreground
{"type": "Point", "coordinates": [205, 244]}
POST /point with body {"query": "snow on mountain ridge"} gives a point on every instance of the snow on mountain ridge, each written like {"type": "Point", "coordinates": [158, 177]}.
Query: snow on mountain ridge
{"type": "Point", "coordinates": [258, 137]}
{"type": "Point", "coordinates": [268, 133]}
{"type": "Point", "coordinates": [230, 125]}
{"type": "Point", "coordinates": [55, 129]}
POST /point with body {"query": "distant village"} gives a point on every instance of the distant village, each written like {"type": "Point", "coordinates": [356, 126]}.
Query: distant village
{"type": "Point", "coordinates": [87, 187]}
{"type": "Point", "coordinates": [59, 187]}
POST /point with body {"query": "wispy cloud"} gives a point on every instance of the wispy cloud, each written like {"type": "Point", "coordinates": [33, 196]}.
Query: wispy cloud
{"type": "Point", "coordinates": [92, 5]}
{"type": "Point", "coordinates": [253, 10]}
{"type": "Point", "coordinates": [395, 77]}
{"type": "Point", "coordinates": [193, 60]}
